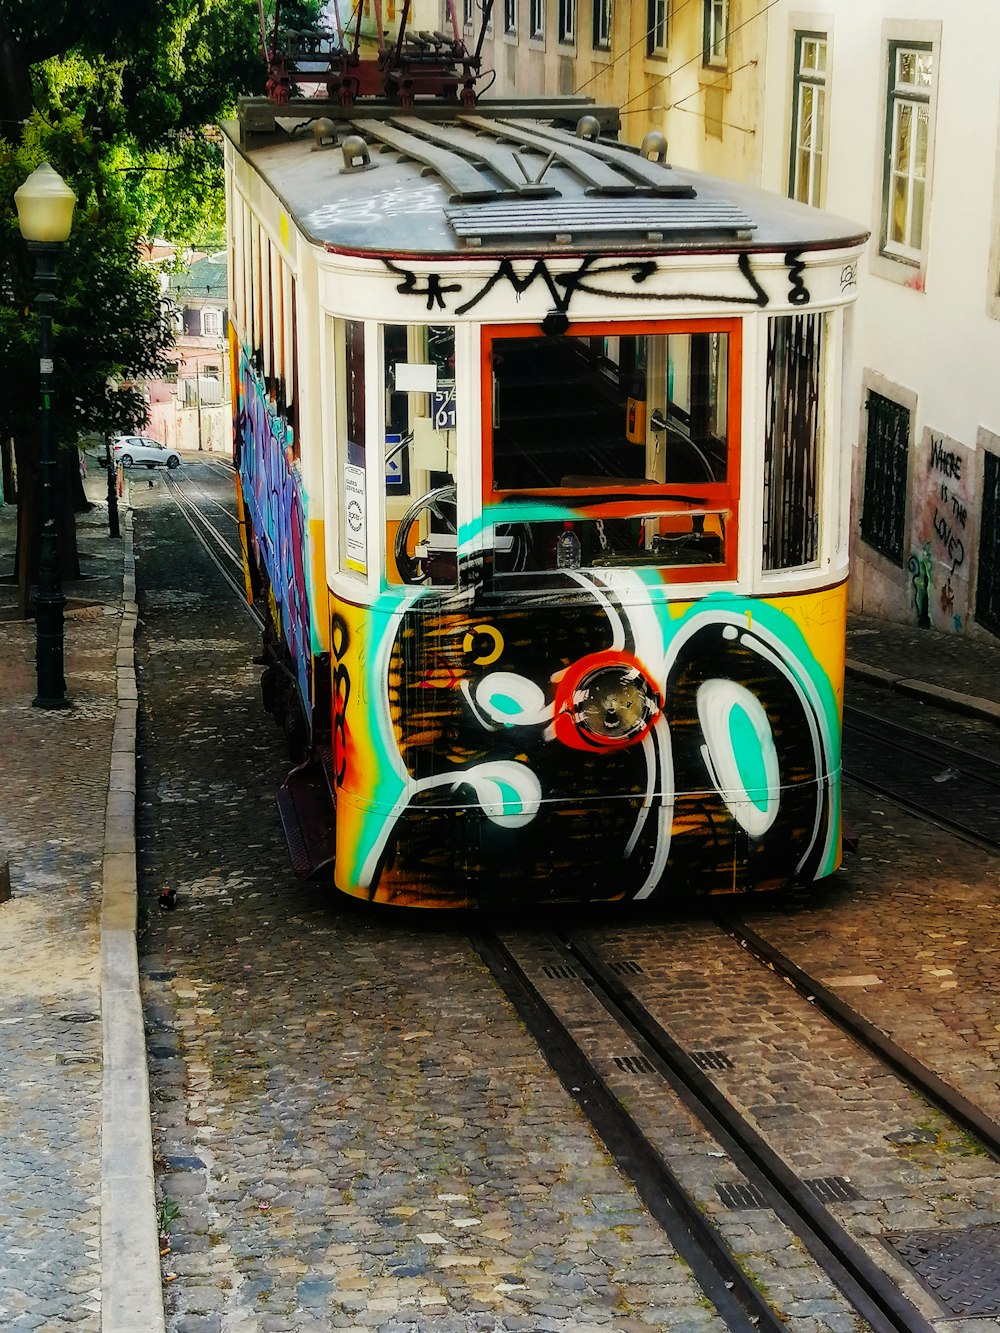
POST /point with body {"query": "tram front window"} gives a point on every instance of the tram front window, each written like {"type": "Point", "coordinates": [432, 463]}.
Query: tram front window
{"type": "Point", "coordinates": [626, 433]}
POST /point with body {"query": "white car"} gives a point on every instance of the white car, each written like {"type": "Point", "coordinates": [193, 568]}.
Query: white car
{"type": "Point", "coordinates": [140, 451]}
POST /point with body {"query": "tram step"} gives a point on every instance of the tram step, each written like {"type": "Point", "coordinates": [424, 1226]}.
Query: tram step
{"type": "Point", "coordinates": [307, 820]}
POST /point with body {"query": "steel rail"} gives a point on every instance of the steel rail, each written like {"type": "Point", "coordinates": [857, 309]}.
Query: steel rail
{"type": "Point", "coordinates": [187, 508]}
{"type": "Point", "coordinates": [902, 737]}
{"type": "Point", "coordinates": [916, 1075]}
{"type": "Point", "coordinates": [715, 1268]}
{"type": "Point", "coordinates": [863, 1283]}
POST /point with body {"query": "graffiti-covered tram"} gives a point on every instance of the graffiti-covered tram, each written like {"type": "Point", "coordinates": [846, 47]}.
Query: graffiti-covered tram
{"type": "Point", "coordinates": [539, 461]}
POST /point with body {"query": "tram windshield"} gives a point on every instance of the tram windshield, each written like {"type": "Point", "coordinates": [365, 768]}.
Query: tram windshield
{"type": "Point", "coordinates": [630, 436]}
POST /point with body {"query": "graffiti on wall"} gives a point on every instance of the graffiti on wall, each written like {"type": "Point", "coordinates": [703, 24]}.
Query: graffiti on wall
{"type": "Point", "coordinates": [272, 492]}
{"type": "Point", "coordinates": [941, 536]}
{"type": "Point", "coordinates": [588, 740]}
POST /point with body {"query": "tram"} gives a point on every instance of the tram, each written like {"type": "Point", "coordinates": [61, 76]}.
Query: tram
{"type": "Point", "coordinates": [544, 500]}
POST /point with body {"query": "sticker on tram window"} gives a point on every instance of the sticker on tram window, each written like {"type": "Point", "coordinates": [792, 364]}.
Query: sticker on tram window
{"type": "Point", "coordinates": [393, 466]}
{"type": "Point", "coordinates": [443, 407]}
{"type": "Point", "coordinates": [355, 536]}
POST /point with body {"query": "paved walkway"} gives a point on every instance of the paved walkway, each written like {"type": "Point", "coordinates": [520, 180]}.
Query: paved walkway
{"type": "Point", "coordinates": [947, 670]}
{"type": "Point", "coordinates": [78, 1235]}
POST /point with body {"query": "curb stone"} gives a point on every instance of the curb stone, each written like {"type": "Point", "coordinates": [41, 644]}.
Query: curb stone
{"type": "Point", "coordinates": [937, 695]}
{"type": "Point", "coordinates": [131, 1283]}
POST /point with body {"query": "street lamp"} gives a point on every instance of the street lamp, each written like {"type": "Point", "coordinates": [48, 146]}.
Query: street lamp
{"type": "Point", "coordinates": [45, 214]}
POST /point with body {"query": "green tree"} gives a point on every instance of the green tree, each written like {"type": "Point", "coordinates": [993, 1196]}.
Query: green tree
{"type": "Point", "coordinates": [120, 96]}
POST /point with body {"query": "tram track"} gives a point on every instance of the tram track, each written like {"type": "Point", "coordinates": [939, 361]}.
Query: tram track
{"type": "Point", "coordinates": [798, 1203]}
{"type": "Point", "coordinates": [927, 1084]}
{"type": "Point", "coordinates": [223, 554]}
{"type": "Point", "coordinates": [947, 784]}
{"type": "Point", "coordinates": [733, 1291]}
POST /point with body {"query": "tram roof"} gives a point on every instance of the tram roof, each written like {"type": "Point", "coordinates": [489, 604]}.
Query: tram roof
{"type": "Point", "coordinates": [503, 176]}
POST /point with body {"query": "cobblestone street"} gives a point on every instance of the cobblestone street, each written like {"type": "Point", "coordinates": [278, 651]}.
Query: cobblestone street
{"type": "Point", "coordinates": [353, 1129]}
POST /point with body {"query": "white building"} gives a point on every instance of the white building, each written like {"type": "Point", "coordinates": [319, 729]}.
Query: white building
{"type": "Point", "coordinates": [894, 121]}
{"type": "Point", "coordinates": [887, 120]}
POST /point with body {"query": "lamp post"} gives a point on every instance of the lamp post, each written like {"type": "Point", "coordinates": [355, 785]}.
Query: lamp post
{"type": "Point", "coordinates": [45, 214]}
{"type": "Point", "coordinates": [114, 525]}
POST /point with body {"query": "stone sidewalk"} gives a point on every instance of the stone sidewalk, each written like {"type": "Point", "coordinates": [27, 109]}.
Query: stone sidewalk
{"type": "Point", "coordinates": [78, 1233]}
{"type": "Point", "coordinates": [949, 671]}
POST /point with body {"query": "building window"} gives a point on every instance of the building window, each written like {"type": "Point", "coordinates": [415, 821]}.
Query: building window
{"type": "Point", "coordinates": [468, 14]}
{"type": "Point", "coordinates": [715, 50]}
{"type": "Point", "coordinates": [808, 117]}
{"type": "Point", "coordinates": [170, 372]}
{"type": "Point", "coordinates": [656, 28]}
{"type": "Point", "coordinates": [510, 17]}
{"type": "Point", "coordinates": [792, 441]}
{"type": "Point", "coordinates": [988, 576]}
{"type": "Point", "coordinates": [602, 25]}
{"type": "Point", "coordinates": [567, 20]}
{"type": "Point", "coordinates": [907, 139]}
{"type": "Point", "coordinates": [883, 504]}
{"type": "Point", "coordinates": [536, 18]}
{"type": "Point", "coordinates": [211, 322]}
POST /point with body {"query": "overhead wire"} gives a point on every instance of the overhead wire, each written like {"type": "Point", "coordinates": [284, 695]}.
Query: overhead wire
{"type": "Point", "coordinates": [628, 50]}
{"type": "Point", "coordinates": [700, 55]}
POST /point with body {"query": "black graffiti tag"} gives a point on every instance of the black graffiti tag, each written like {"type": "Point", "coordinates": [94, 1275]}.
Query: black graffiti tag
{"type": "Point", "coordinates": [340, 638]}
{"type": "Point", "coordinates": [798, 293]}
{"type": "Point", "coordinates": [589, 278]}
{"type": "Point", "coordinates": [949, 539]}
{"type": "Point", "coordinates": [435, 290]}
{"type": "Point", "coordinates": [945, 460]}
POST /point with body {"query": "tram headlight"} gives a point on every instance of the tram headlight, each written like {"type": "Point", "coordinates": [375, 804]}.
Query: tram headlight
{"type": "Point", "coordinates": [605, 703]}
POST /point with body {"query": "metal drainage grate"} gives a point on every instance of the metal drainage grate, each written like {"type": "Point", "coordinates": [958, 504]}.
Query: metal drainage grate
{"type": "Point", "coordinates": [628, 967]}
{"type": "Point", "coordinates": [741, 1196]}
{"type": "Point", "coordinates": [635, 1064]}
{"type": "Point", "coordinates": [560, 972]}
{"type": "Point", "coordinates": [960, 1268]}
{"type": "Point", "coordinates": [78, 1018]}
{"type": "Point", "coordinates": [832, 1189]}
{"type": "Point", "coordinates": [711, 1060]}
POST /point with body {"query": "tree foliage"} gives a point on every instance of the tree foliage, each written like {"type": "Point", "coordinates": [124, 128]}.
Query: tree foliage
{"type": "Point", "coordinates": [121, 97]}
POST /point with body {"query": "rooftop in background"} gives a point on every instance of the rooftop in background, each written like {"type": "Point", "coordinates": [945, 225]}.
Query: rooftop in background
{"type": "Point", "coordinates": [204, 280]}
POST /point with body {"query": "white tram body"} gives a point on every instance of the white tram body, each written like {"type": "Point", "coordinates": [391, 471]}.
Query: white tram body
{"type": "Point", "coordinates": [540, 468]}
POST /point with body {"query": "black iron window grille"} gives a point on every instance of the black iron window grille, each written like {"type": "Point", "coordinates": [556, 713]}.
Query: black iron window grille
{"type": "Point", "coordinates": [792, 441]}
{"type": "Point", "coordinates": [988, 580]}
{"type": "Point", "coordinates": [883, 504]}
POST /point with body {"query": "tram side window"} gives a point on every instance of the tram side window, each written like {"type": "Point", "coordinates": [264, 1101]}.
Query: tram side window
{"type": "Point", "coordinates": [350, 344]}
{"type": "Point", "coordinates": [421, 511]}
{"type": "Point", "coordinates": [629, 430]}
{"type": "Point", "coordinates": [792, 440]}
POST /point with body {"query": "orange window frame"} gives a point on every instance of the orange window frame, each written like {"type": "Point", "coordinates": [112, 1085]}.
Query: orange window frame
{"type": "Point", "coordinates": [716, 495]}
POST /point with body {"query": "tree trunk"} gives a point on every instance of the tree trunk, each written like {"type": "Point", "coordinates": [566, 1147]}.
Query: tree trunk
{"type": "Point", "coordinates": [29, 519]}
{"type": "Point", "coordinates": [67, 483]}
{"type": "Point", "coordinates": [8, 472]}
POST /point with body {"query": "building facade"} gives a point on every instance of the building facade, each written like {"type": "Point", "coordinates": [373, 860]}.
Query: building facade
{"type": "Point", "coordinates": [191, 408]}
{"type": "Point", "coordinates": [892, 122]}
